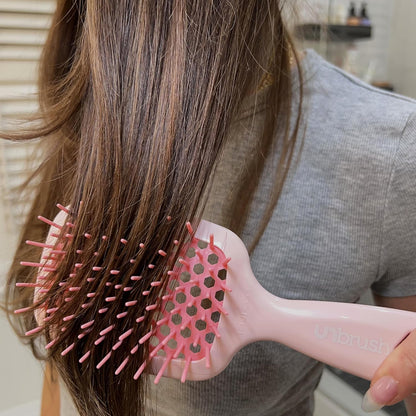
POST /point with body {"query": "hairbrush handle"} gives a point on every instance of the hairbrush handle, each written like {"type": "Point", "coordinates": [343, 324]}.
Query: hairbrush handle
{"type": "Point", "coordinates": [354, 338]}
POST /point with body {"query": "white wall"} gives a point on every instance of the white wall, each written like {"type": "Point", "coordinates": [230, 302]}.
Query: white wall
{"type": "Point", "coordinates": [391, 51]}
{"type": "Point", "coordinates": [402, 53]}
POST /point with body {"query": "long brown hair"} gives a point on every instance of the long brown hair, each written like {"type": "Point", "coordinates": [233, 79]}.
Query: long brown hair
{"type": "Point", "coordinates": [137, 99]}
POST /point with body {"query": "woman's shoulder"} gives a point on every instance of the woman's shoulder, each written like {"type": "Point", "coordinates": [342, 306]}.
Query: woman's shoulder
{"type": "Point", "coordinates": [351, 103]}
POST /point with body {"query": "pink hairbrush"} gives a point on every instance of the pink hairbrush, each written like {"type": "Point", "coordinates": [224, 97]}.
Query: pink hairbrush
{"type": "Point", "coordinates": [214, 306]}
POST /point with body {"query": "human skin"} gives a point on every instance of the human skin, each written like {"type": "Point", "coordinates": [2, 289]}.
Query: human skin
{"type": "Point", "coordinates": [395, 379]}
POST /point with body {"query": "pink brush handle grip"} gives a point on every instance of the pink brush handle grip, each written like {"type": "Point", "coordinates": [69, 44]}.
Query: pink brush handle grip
{"type": "Point", "coordinates": [354, 338]}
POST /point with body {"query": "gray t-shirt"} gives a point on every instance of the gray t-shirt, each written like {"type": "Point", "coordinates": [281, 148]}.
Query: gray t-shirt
{"type": "Point", "coordinates": [345, 222]}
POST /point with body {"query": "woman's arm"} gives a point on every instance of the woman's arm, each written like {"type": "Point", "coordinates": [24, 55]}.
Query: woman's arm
{"type": "Point", "coordinates": [50, 394]}
{"type": "Point", "coordinates": [395, 380]}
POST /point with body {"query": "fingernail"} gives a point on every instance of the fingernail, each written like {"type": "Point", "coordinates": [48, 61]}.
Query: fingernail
{"type": "Point", "coordinates": [381, 392]}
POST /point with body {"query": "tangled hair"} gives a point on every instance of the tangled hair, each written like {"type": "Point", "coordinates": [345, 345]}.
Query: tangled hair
{"type": "Point", "coordinates": [137, 99]}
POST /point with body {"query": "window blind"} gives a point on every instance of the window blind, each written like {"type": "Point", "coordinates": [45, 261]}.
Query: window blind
{"type": "Point", "coordinates": [23, 30]}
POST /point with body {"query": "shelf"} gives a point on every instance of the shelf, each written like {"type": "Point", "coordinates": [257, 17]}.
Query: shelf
{"type": "Point", "coordinates": [336, 33]}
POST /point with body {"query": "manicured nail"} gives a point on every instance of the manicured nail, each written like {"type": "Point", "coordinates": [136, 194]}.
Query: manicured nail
{"type": "Point", "coordinates": [381, 392]}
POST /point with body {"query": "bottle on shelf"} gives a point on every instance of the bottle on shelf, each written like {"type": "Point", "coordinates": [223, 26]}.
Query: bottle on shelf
{"type": "Point", "coordinates": [364, 19]}
{"type": "Point", "coordinates": [353, 19]}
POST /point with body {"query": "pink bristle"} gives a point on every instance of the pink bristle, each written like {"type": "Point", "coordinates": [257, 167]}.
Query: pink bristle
{"type": "Point", "coordinates": [143, 339]}
{"type": "Point", "coordinates": [134, 349]}
{"type": "Point", "coordinates": [69, 236]}
{"type": "Point", "coordinates": [141, 319]}
{"type": "Point", "coordinates": [79, 251]}
{"type": "Point", "coordinates": [184, 263]}
{"type": "Point", "coordinates": [43, 291]}
{"type": "Point", "coordinates": [135, 278]}
{"type": "Point", "coordinates": [207, 357]}
{"type": "Point", "coordinates": [121, 315]}
{"type": "Point", "coordinates": [211, 242]}
{"type": "Point", "coordinates": [131, 303]}
{"type": "Point", "coordinates": [38, 244]}
{"type": "Point", "coordinates": [162, 321]}
{"type": "Point", "coordinates": [189, 227]}
{"type": "Point", "coordinates": [139, 371]}
{"type": "Point", "coordinates": [199, 254]}
{"type": "Point", "coordinates": [118, 286]}
{"type": "Point", "coordinates": [168, 218]}
{"type": "Point", "coordinates": [151, 307]}
{"type": "Point", "coordinates": [117, 345]}
{"type": "Point", "coordinates": [68, 318]}
{"type": "Point", "coordinates": [104, 237]}
{"type": "Point", "coordinates": [107, 330]}
{"type": "Point", "coordinates": [127, 289]}
{"type": "Point", "coordinates": [51, 344]}
{"type": "Point", "coordinates": [151, 266]}
{"type": "Point", "coordinates": [108, 284]}
{"type": "Point", "coordinates": [185, 370]}
{"type": "Point", "coordinates": [121, 366]}
{"type": "Point", "coordinates": [123, 241]}
{"type": "Point", "coordinates": [68, 299]}
{"type": "Point", "coordinates": [86, 305]}
{"type": "Point", "coordinates": [32, 264]}
{"type": "Point", "coordinates": [91, 294]}
{"type": "Point", "coordinates": [145, 292]}
{"type": "Point", "coordinates": [87, 235]}
{"type": "Point", "coordinates": [114, 272]}
{"type": "Point", "coordinates": [87, 324]}
{"type": "Point", "coordinates": [63, 329]}
{"type": "Point", "coordinates": [103, 310]}
{"type": "Point", "coordinates": [70, 225]}
{"type": "Point", "coordinates": [62, 284]}
{"type": "Point", "coordinates": [90, 279]}
{"type": "Point", "coordinates": [226, 261]}
{"type": "Point", "coordinates": [163, 368]}
{"type": "Point", "coordinates": [154, 284]}
{"type": "Point", "coordinates": [99, 340]}
{"type": "Point", "coordinates": [162, 253]}
{"type": "Point", "coordinates": [72, 275]}
{"type": "Point", "coordinates": [104, 360]}
{"type": "Point", "coordinates": [51, 310]}
{"type": "Point", "coordinates": [97, 268]}
{"type": "Point", "coordinates": [22, 284]}
{"type": "Point", "coordinates": [141, 245]}
{"type": "Point", "coordinates": [58, 252]}
{"type": "Point", "coordinates": [84, 357]}
{"type": "Point", "coordinates": [40, 277]}
{"type": "Point", "coordinates": [176, 242]}
{"type": "Point", "coordinates": [74, 289]}
{"type": "Point", "coordinates": [49, 222]}
{"type": "Point", "coordinates": [62, 208]}
{"type": "Point", "coordinates": [66, 350]}
{"type": "Point", "coordinates": [179, 348]}
{"type": "Point", "coordinates": [34, 330]}
{"type": "Point", "coordinates": [132, 261]}
{"type": "Point", "coordinates": [123, 336]}
{"type": "Point", "coordinates": [78, 265]}
{"type": "Point", "coordinates": [110, 299]}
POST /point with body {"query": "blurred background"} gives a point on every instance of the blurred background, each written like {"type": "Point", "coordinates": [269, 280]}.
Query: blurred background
{"type": "Point", "coordinates": [373, 40]}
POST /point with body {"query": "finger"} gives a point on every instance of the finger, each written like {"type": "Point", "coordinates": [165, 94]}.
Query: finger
{"type": "Point", "coordinates": [395, 379]}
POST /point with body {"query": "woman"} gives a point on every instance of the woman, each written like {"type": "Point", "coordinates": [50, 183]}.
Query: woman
{"type": "Point", "coordinates": [160, 109]}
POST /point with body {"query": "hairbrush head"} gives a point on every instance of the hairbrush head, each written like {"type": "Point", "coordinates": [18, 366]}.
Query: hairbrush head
{"type": "Point", "coordinates": [213, 306]}
{"type": "Point", "coordinates": [186, 319]}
